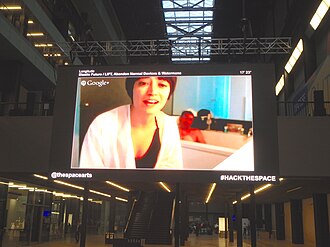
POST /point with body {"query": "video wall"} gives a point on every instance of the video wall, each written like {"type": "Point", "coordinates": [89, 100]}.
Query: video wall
{"type": "Point", "coordinates": [160, 121]}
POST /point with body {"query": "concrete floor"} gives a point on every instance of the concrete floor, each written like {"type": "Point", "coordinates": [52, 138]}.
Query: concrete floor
{"type": "Point", "coordinates": [193, 241]}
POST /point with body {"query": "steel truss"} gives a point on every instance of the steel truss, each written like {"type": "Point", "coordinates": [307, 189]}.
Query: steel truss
{"type": "Point", "coordinates": [179, 48]}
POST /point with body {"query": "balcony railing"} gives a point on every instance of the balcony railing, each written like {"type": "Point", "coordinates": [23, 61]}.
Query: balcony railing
{"type": "Point", "coordinates": [26, 109]}
{"type": "Point", "coordinates": [303, 108]}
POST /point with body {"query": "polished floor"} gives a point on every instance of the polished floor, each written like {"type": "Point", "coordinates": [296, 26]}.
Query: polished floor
{"type": "Point", "coordinates": [193, 241]}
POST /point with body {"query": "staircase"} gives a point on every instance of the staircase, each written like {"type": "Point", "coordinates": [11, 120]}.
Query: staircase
{"type": "Point", "coordinates": [140, 217]}
{"type": "Point", "coordinates": [151, 218]}
{"type": "Point", "coordinates": [160, 231]}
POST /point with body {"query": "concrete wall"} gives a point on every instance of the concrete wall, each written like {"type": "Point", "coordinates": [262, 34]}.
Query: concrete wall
{"type": "Point", "coordinates": [25, 144]}
{"type": "Point", "coordinates": [304, 146]}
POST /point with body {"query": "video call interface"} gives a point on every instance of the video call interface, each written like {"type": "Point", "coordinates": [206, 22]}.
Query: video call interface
{"type": "Point", "coordinates": [219, 108]}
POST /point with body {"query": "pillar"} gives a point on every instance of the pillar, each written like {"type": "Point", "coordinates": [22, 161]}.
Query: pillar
{"type": "Point", "coordinates": [3, 203]}
{"type": "Point", "coordinates": [321, 219]}
{"type": "Point", "coordinates": [252, 218]}
{"type": "Point", "coordinates": [231, 223]}
{"type": "Point", "coordinates": [268, 218]}
{"type": "Point", "coordinates": [112, 214]}
{"type": "Point", "coordinates": [297, 222]}
{"type": "Point", "coordinates": [83, 227]}
{"type": "Point", "coordinates": [177, 216]}
{"type": "Point", "coordinates": [239, 220]}
{"type": "Point", "coordinates": [279, 218]}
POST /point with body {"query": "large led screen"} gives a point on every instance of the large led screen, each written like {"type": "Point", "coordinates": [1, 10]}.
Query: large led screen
{"type": "Point", "coordinates": [175, 118]}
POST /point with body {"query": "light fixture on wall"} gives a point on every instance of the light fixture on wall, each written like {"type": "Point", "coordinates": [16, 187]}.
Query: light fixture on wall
{"type": "Point", "coordinates": [279, 85]}
{"type": "Point", "coordinates": [295, 56]}
{"type": "Point", "coordinates": [319, 14]}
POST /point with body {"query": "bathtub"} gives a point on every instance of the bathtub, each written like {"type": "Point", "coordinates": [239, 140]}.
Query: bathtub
{"type": "Point", "coordinates": [223, 152]}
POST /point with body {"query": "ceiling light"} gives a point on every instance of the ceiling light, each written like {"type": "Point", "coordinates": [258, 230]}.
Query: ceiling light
{"type": "Point", "coordinates": [39, 176]}
{"type": "Point", "coordinates": [95, 201]}
{"type": "Point", "coordinates": [245, 196]}
{"type": "Point", "coordinates": [14, 7]}
{"type": "Point", "coordinates": [43, 45]}
{"type": "Point", "coordinates": [69, 185]}
{"type": "Point", "coordinates": [17, 185]}
{"type": "Point", "coordinates": [30, 22]}
{"type": "Point", "coordinates": [255, 192]}
{"type": "Point", "coordinates": [121, 199]}
{"type": "Point", "coordinates": [165, 187]}
{"type": "Point", "coordinates": [262, 188]}
{"type": "Point", "coordinates": [26, 188]}
{"type": "Point", "coordinates": [294, 189]}
{"type": "Point", "coordinates": [210, 193]}
{"type": "Point", "coordinates": [99, 193]}
{"type": "Point", "coordinates": [34, 34]}
{"type": "Point", "coordinates": [117, 186]}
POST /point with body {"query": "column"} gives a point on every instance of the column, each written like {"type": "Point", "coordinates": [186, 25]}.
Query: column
{"type": "Point", "coordinates": [177, 216]}
{"type": "Point", "coordinates": [112, 214]}
{"type": "Point", "coordinates": [231, 223]}
{"type": "Point", "coordinates": [206, 211]}
{"type": "Point", "coordinates": [297, 222]}
{"type": "Point", "coordinates": [83, 227]}
{"type": "Point", "coordinates": [279, 217]}
{"type": "Point", "coordinates": [321, 219]}
{"type": "Point", "coordinates": [252, 218]}
{"type": "Point", "coordinates": [268, 218]}
{"type": "Point", "coordinates": [239, 220]}
{"type": "Point", "coordinates": [226, 219]}
{"type": "Point", "coordinates": [3, 203]}
{"type": "Point", "coordinates": [259, 218]}
{"type": "Point", "coordinates": [184, 218]}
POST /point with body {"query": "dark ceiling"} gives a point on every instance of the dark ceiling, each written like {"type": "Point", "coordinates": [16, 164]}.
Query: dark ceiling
{"type": "Point", "coordinates": [284, 191]}
{"type": "Point", "coordinates": [144, 19]}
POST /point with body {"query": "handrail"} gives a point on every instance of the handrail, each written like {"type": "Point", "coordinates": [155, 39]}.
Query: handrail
{"type": "Point", "coordinates": [152, 212]}
{"type": "Point", "coordinates": [172, 217]}
{"type": "Point", "coordinates": [130, 216]}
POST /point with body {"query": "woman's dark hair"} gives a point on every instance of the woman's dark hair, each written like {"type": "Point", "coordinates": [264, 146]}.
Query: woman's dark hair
{"type": "Point", "coordinates": [187, 112]}
{"type": "Point", "coordinates": [129, 84]}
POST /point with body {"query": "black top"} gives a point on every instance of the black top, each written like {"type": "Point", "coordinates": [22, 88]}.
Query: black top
{"type": "Point", "coordinates": [149, 159]}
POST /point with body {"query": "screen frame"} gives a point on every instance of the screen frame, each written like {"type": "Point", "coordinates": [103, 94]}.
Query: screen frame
{"type": "Point", "coordinates": [264, 122]}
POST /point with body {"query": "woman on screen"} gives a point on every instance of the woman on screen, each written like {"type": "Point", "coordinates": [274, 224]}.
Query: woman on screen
{"type": "Point", "coordinates": [139, 135]}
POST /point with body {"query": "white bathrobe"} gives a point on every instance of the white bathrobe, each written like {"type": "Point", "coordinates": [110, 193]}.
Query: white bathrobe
{"type": "Point", "coordinates": [108, 142]}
